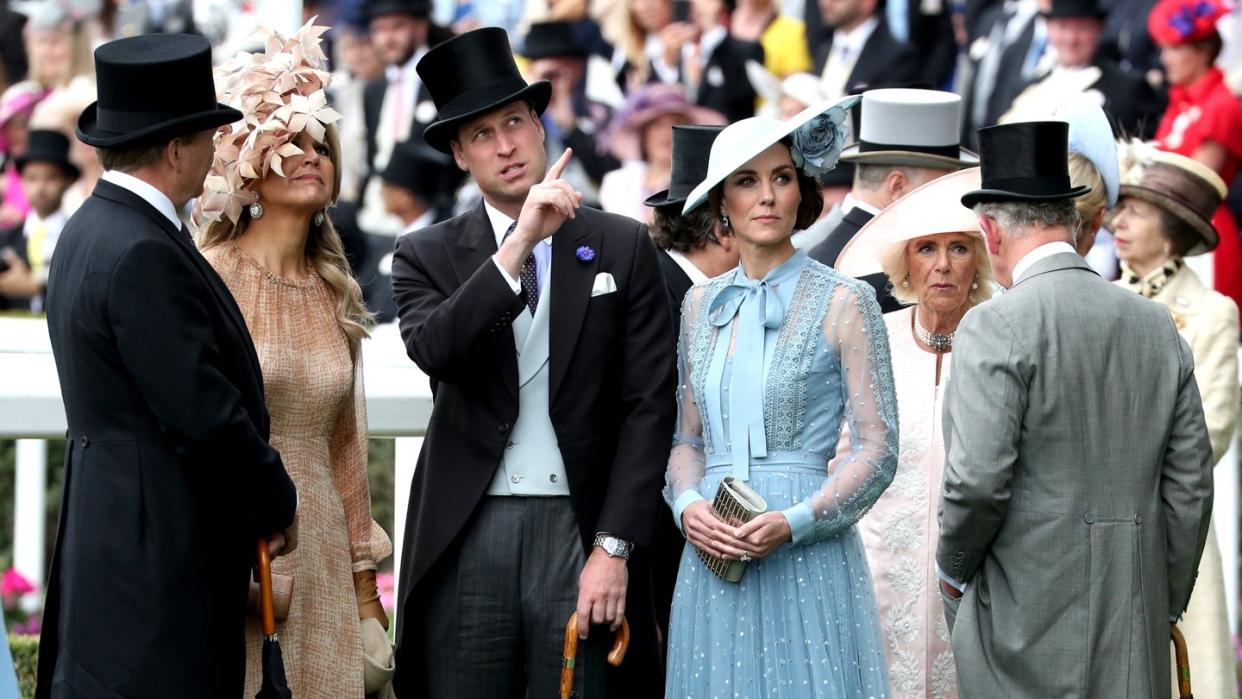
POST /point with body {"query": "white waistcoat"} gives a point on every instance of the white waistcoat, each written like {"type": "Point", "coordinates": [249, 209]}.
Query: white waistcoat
{"type": "Point", "coordinates": [532, 464]}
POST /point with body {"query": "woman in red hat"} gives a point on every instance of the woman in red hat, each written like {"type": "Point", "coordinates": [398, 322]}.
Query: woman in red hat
{"type": "Point", "coordinates": [1204, 119]}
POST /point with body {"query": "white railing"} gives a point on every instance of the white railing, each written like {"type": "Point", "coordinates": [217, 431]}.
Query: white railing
{"type": "Point", "coordinates": [398, 406]}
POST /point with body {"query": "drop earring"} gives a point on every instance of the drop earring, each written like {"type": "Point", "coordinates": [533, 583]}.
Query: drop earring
{"type": "Point", "coordinates": [975, 284]}
{"type": "Point", "coordinates": [317, 219]}
{"type": "Point", "coordinates": [724, 218]}
{"type": "Point", "coordinates": [905, 283]}
{"type": "Point", "coordinates": [256, 210]}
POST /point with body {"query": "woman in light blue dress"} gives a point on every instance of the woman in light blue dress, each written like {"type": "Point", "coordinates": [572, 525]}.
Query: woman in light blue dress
{"type": "Point", "coordinates": [777, 357]}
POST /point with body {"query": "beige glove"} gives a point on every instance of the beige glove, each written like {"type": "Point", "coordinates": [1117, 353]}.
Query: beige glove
{"type": "Point", "coordinates": [367, 593]}
{"type": "Point", "coordinates": [379, 663]}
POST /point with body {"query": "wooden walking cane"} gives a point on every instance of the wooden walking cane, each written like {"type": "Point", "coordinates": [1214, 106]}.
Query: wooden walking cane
{"type": "Point", "coordinates": [570, 652]}
{"type": "Point", "coordinates": [274, 683]}
{"type": "Point", "coordinates": [1183, 662]}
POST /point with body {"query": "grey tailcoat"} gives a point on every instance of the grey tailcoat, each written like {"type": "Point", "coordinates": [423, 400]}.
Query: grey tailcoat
{"type": "Point", "coordinates": [1077, 491]}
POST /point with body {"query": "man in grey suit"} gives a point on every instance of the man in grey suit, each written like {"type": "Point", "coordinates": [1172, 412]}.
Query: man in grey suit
{"type": "Point", "coordinates": [1078, 479]}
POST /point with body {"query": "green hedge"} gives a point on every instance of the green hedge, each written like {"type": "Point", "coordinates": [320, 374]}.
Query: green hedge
{"type": "Point", "coordinates": [26, 661]}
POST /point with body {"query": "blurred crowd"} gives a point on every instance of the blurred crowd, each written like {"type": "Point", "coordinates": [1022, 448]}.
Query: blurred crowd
{"type": "Point", "coordinates": [623, 72]}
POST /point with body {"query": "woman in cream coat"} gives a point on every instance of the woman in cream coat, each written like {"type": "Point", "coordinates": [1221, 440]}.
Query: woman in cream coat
{"type": "Point", "coordinates": [1164, 215]}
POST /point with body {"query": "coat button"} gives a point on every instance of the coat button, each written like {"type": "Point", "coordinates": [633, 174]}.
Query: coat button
{"type": "Point", "coordinates": [85, 442]}
{"type": "Point", "coordinates": [515, 478]}
{"type": "Point", "coordinates": [503, 427]}
{"type": "Point", "coordinates": [509, 444]}
{"type": "Point", "coordinates": [552, 477]}
{"type": "Point", "coordinates": [1138, 519]}
{"type": "Point", "coordinates": [1088, 518]}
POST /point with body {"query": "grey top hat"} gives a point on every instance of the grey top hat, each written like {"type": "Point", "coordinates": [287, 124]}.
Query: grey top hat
{"type": "Point", "coordinates": [916, 128]}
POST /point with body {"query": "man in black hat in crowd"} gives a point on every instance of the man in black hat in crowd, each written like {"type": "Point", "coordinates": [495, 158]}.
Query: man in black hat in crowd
{"type": "Point", "coordinates": [906, 138]}
{"type": "Point", "coordinates": [412, 189]}
{"type": "Point", "coordinates": [169, 479]}
{"type": "Point", "coordinates": [1078, 469]}
{"type": "Point", "coordinates": [545, 329]}
{"type": "Point", "coordinates": [1074, 31]}
{"type": "Point", "coordinates": [26, 249]}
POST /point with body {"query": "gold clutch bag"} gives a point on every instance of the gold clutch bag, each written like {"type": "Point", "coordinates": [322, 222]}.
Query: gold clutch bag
{"type": "Point", "coordinates": [736, 503]}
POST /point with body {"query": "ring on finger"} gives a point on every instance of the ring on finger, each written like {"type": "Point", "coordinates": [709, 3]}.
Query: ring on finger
{"type": "Point", "coordinates": [745, 557]}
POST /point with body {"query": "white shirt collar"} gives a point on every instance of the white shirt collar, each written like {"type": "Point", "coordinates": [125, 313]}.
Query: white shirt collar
{"type": "Point", "coordinates": [849, 202]}
{"type": "Point", "coordinates": [428, 218]}
{"type": "Point", "coordinates": [1046, 250]}
{"type": "Point", "coordinates": [500, 224]}
{"type": "Point", "coordinates": [696, 275]}
{"type": "Point", "coordinates": [54, 223]}
{"type": "Point", "coordinates": [856, 38]}
{"type": "Point", "coordinates": [407, 69]}
{"type": "Point", "coordinates": [148, 193]}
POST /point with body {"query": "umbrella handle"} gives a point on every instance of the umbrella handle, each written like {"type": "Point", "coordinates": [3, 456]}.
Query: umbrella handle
{"type": "Point", "coordinates": [569, 652]}
{"type": "Point", "coordinates": [1183, 661]}
{"type": "Point", "coordinates": [265, 589]}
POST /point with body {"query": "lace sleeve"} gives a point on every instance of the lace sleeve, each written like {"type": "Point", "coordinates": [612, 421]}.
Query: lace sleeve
{"type": "Point", "coordinates": [687, 462]}
{"type": "Point", "coordinates": [857, 474]}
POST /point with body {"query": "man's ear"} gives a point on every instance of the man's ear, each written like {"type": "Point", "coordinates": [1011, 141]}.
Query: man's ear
{"type": "Point", "coordinates": [457, 155]}
{"type": "Point", "coordinates": [897, 184]}
{"type": "Point", "coordinates": [991, 234]}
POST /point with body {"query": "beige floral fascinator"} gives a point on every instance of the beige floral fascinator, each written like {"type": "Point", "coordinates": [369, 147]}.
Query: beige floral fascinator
{"type": "Point", "coordinates": [280, 94]}
{"type": "Point", "coordinates": [1133, 156]}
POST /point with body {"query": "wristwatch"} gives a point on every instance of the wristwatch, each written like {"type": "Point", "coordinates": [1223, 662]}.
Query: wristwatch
{"type": "Point", "coordinates": [614, 547]}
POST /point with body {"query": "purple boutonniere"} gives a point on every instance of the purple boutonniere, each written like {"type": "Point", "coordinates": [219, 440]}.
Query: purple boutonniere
{"type": "Point", "coordinates": [585, 253]}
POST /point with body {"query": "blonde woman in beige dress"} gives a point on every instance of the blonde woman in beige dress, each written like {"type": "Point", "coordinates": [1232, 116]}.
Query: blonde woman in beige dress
{"type": "Point", "coordinates": [930, 248]}
{"type": "Point", "coordinates": [275, 248]}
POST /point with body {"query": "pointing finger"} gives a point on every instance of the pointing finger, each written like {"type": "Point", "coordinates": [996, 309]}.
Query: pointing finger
{"type": "Point", "coordinates": [554, 172]}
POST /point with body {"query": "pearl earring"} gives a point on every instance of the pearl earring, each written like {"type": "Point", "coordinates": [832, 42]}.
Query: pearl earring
{"type": "Point", "coordinates": [317, 219]}
{"type": "Point", "coordinates": [724, 218]}
{"type": "Point", "coordinates": [974, 285]}
{"type": "Point", "coordinates": [905, 283]}
{"type": "Point", "coordinates": [256, 210]}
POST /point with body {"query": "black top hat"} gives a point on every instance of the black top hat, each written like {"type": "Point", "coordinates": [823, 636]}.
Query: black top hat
{"type": "Point", "coordinates": [379, 8]}
{"type": "Point", "coordinates": [419, 169]}
{"type": "Point", "coordinates": [152, 87]}
{"type": "Point", "coordinates": [46, 146]}
{"type": "Point", "coordinates": [552, 40]}
{"type": "Point", "coordinates": [1025, 161]}
{"type": "Point", "coordinates": [1075, 8]}
{"type": "Point", "coordinates": [470, 75]}
{"type": "Point", "coordinates": [691, 147]}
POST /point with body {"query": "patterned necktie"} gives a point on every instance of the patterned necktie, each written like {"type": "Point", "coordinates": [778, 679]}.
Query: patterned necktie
{"type": "Point", "coordinates": [529, 276]}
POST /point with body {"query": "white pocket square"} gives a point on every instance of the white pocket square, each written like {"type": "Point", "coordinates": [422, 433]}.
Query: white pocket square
{"type": "Point", "coordinates": [604, 284]}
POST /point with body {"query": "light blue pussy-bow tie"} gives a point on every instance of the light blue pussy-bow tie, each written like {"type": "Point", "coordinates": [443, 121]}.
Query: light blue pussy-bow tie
{"type": "Point", "coordinates": [757, 309]}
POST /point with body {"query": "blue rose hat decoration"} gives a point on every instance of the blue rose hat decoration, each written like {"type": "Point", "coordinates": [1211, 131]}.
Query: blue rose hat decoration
{"type": "Point", "coordinates": [818, 134]}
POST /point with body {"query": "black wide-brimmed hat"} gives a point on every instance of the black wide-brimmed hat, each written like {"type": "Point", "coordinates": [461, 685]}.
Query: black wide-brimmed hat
{"type": "Point", "coordinates": [470, 75]}
{"type": "Point", "coordinates": [1075, 8]}
{"type": "Point", "coordinates": [380, 8]}
{"type": "Point", "coordinates": [152, 88]}
{"type": "Point", "coordinates": [1025, 161]}
{"type": "Point", "coordinates": [552, 40]}
{"type": "Point", "coordinates": [47, 146]}
{"type": "Point", "coordinates": [692, 145]}
{"type": "Point", "coordinates": [421, 170]}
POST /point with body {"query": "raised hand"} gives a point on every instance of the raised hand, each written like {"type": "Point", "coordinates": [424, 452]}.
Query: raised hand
{"type": "Point", "coordinates": [548, 204]}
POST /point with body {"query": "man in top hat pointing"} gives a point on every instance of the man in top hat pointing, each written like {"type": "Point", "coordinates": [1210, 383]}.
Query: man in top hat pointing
{"type": "Point", "coordinates": [169, 479]}
{"type": "Point", "coordinates": [545, 329]}
{"type": "Point", "coordinates": [1078, 474]}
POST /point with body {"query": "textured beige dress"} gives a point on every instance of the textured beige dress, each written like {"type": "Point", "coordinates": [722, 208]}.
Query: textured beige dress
{"type": "Point", "coordinates": [315, 396]}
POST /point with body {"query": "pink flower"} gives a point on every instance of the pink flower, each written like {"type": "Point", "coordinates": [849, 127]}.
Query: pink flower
{"type": "Point", "coordinates": [14, 583]}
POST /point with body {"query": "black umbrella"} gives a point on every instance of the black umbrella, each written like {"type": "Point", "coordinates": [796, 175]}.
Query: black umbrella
{"type": "Point", "coordinates": [274, 686]}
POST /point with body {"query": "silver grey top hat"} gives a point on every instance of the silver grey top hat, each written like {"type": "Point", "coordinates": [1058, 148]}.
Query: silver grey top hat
{"type": "Point", "coordinates": [916, 128]}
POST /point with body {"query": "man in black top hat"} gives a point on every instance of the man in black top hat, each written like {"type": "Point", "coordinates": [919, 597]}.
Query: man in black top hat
{"type": "Point", "coordinates": [1074, 30]}
{"type": "Point", "coordinates": [169, 478]}
{"type": "Point", "coordinates": [1078, 469]}
{"type": "Point", "coordinates": [26, 249]}
{"type": "Point", "coordinates": [545, 329]}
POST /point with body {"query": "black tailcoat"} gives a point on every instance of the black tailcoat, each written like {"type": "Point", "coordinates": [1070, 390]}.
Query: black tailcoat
{"type": "Point", "coordinates": [611, 383]}
{"type": "Point", "coordinates": [883, 61]}
{"type": "Point", "coordinates": [828, 251]}
{"type": "Point", "coordinates": [169, 478]}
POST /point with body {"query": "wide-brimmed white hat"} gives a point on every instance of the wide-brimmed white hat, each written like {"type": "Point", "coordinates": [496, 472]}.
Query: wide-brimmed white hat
{"type": "Point", "coordinates": [933, 208]}
{"type": "Point", "coordinates": [743, 140]}
{"type": "Point", "coordinates": [916, 128]}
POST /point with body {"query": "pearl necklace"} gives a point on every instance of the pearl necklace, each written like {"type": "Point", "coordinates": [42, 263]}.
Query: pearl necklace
{"type": "Point", "coordinates": [936, 341]}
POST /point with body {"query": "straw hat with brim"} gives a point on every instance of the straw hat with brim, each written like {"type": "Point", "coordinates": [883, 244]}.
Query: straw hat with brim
{"type": "Point", "coordinates": [625, 133]}
{"type": "Point", "coordinates": [1024, 161]}
{"type": "Point", "coordinates": [909, 127]}
{"type": "Point", "coordinates": [1185, 188]}
{"type": "Point", "coordinates": [747, 138]}
{"type": "Point", "coordinates": [471, 75]}
{"type": "Point", "coordinates": [931, 209]}
{"type": "Point", "coordinates": [152, 88]}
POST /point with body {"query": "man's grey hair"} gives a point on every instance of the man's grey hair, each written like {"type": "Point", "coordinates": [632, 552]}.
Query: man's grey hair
{"type": "Point", "coordinates": [1017, 218]}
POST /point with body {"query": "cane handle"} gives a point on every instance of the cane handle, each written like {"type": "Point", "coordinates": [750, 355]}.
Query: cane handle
{"type": "Point", "coordinates": [265, 589]}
